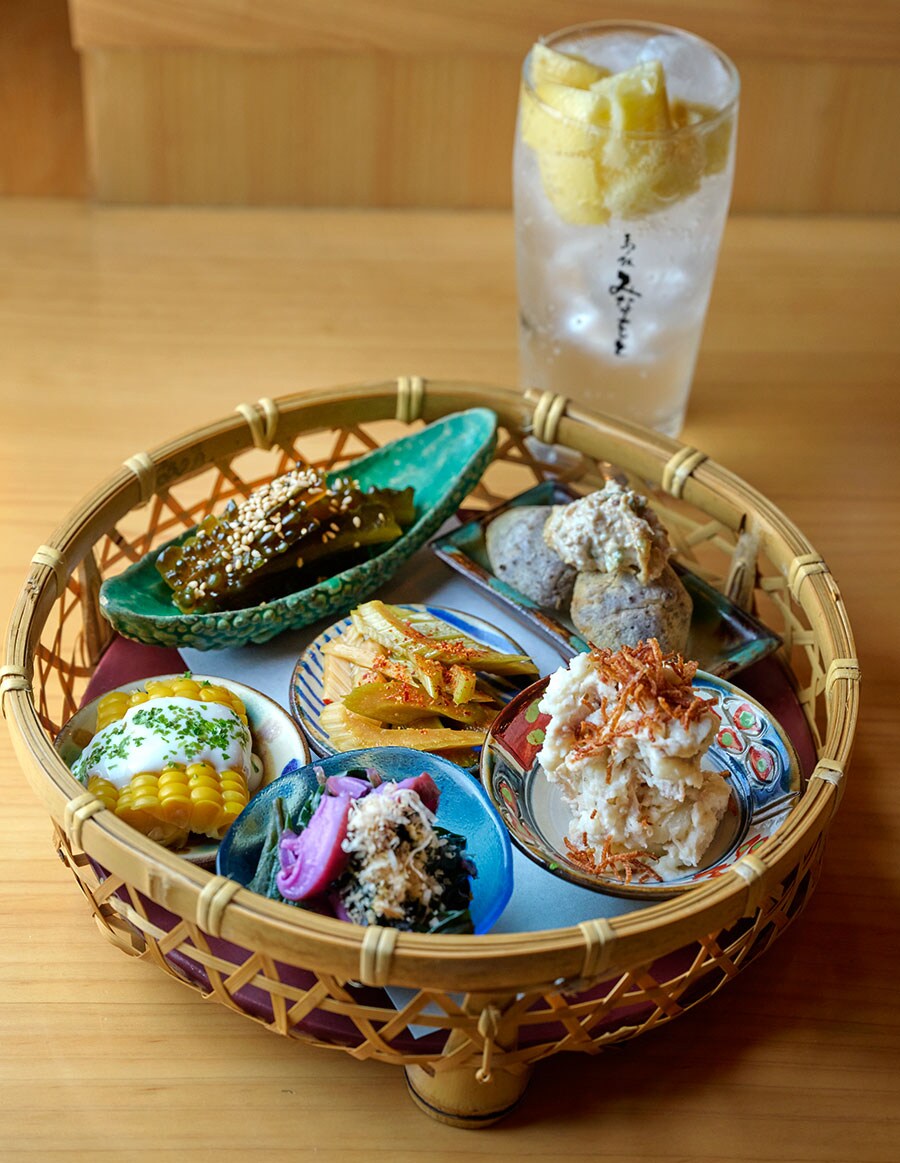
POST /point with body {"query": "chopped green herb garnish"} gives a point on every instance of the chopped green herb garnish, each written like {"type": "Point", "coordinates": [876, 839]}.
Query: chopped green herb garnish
{"type": "Point", "coordinates": [185, 733]}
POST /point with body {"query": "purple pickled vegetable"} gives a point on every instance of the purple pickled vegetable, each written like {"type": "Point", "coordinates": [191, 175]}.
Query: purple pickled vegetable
{"type": "Point", "coordinates": [337, 906]}
{"type": "Point", "coordinates": [423, 785]}
{"type": "Point", "coordinates": [347, 785]}
{"type": "Point", "coordinates": [312, 860]}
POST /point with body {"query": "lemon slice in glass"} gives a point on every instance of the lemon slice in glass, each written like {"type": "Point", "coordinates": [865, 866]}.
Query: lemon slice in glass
{"type": "Point", "coordinates": [546, 64]}
{"type": "Point", "coordinates": [637, 98]}
{"type": "Point", "coordinates": [584, 105]}
{"type": "Point", "coordinates": [560, 119]}
{"type": "Point", "coordinates": [645, 165]}
{"type": "Point", "coordinates": [572, 183]}
{"type": "Point", "coordinates": [715, 141]}
{"type": "Point", "coordinates": [611, 143]}
{"type": "Point", "coordinates": [566, 127]}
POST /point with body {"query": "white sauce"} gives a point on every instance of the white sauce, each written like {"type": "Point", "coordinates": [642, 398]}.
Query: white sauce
{"type": "Point", "coordinates": [163, 731]}
{"type": "Point", "coordinates": [609, 531]}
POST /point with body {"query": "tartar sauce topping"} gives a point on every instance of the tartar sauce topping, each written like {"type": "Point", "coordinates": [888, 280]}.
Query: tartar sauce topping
{"type": "Point", "coordinates": [163, 731]}
{"type": "Point", "coordinates": [610, 530]}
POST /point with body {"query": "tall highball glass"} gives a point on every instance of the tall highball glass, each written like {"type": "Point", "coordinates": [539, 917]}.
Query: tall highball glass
{"type": "Point", "coordinates": [623, 169]}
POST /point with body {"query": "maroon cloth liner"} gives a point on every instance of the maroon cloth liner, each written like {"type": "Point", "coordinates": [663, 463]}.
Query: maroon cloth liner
{"type": "Point", "coordinates": [126, 661]}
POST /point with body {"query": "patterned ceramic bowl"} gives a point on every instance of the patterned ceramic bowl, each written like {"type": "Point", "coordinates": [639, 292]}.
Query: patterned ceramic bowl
{"type": "Point", "coordinates": [750, 748]}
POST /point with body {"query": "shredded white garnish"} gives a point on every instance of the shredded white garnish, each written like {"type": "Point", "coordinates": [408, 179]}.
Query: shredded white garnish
{"type": "Point", "coordinates": [391, 841]}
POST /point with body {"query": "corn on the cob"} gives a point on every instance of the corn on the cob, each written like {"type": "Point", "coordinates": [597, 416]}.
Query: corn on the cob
{"type": "Point", "coordinates": [180, 798]}
{"type": "Point", "coordinates": [177, 800]}
{"type": "Point", "coordinates": [113, 706]}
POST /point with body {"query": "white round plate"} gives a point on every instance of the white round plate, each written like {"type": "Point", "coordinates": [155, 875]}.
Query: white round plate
{"type": "Point", "coordinates": [276, 740]}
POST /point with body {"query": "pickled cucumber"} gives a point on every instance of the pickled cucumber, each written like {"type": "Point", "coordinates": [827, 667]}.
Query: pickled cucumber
{"type": "Point", "coordinates": [294, 522]}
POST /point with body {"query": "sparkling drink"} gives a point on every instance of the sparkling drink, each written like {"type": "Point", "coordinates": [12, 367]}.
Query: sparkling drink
{"type": "Point", "coordinates": [623, 167]}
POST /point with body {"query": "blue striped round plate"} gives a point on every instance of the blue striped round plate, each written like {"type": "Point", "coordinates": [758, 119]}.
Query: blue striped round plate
{"type": "Point", "coordinates": [306, 697]}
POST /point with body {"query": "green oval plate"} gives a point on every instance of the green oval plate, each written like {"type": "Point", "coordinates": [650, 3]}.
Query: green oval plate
{"type": "Point", "coordinates": [442, 463]}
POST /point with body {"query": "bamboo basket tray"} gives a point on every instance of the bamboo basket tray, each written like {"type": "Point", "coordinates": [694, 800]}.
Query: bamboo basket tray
{"type": "Point", "coordinates": [492, 1006]}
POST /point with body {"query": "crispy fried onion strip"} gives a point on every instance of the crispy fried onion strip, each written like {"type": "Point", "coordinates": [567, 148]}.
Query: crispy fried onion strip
{"type": "Point", "coordinates": [623, 866]}
{"type": "Point", "coordinates": [661, 685]}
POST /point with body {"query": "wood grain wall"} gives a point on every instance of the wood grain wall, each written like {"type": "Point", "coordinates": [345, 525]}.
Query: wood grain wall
{"type": "Point", "coordinates": [412, 102]}
{"type": "Point", "coordinates": [42, 148]}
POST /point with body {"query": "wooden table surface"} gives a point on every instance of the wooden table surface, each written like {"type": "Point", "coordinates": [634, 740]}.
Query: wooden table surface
{"type": "Point", "coordinates": [121, 328]}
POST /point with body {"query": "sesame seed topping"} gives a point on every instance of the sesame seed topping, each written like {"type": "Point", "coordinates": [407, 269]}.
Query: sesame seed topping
{"type": "Point", "coordinates": [227, 552]}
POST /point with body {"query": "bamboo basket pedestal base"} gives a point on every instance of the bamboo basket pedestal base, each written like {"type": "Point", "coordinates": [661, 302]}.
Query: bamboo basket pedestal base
{"type": "Point", "coordinates": [493, 1005]}
{"type": "Point", "coordinates": [460, 1098]}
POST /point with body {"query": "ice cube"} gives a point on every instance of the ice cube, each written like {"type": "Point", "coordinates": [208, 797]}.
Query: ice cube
{"type": "Point", "coordinates": [615, 51]}
{"type": "Point", "coordinates": [588, 326]}
{"type": "Point", "coordinates": [693, 71]}
{"type": "Point", "coordinates": [666, 284]}
{"type": "Point", "coordinates": [582, 318]}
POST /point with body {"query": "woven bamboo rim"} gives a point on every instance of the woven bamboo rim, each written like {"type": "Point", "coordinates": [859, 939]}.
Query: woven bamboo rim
{"type": "Point", "coordinates": [488, 967]}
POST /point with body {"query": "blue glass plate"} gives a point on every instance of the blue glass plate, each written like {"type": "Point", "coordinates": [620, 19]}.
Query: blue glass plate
{"type": "Point", "coordinates": [723, 638]}
{"type": "Point", "coordinates": [464, 808]}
